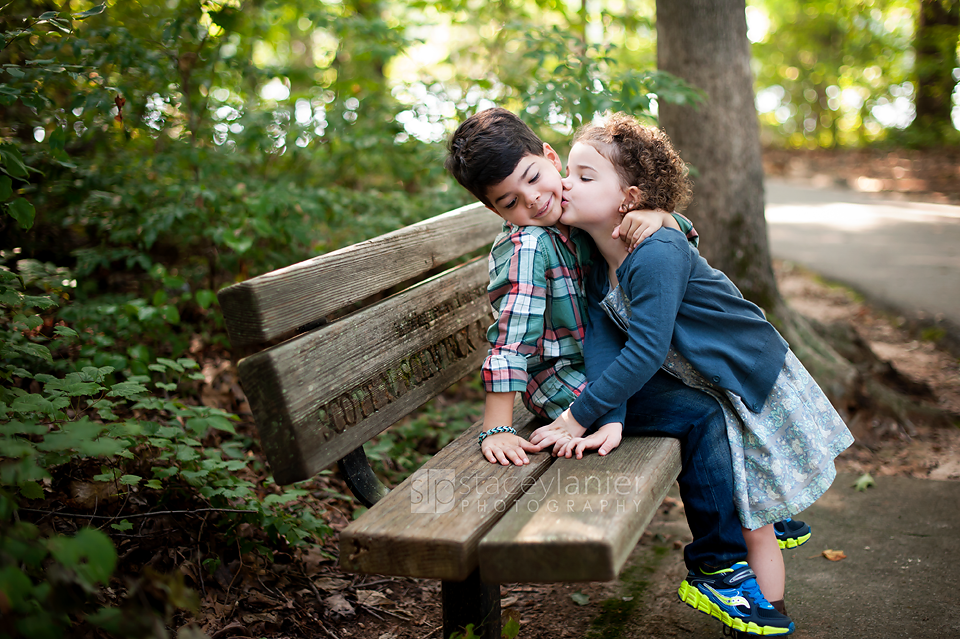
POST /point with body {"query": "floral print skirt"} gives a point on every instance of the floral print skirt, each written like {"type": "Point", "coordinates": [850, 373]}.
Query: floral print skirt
{"type": "Point", "coordinates": [783, 455]}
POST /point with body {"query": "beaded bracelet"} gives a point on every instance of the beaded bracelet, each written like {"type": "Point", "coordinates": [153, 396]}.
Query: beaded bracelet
{"type": "Point", "coordinates": [496, 431]}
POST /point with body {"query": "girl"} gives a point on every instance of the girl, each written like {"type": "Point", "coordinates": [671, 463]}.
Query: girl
{"type": "Point", "coordinates": [663, 305]}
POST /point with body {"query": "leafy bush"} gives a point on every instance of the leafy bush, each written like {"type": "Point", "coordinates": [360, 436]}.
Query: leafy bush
{"type": "Point", "coordinates": [130, 435]}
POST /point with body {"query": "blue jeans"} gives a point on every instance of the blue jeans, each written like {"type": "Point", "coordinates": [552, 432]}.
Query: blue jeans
{"type": "Point", "coordinates": [666, 407]}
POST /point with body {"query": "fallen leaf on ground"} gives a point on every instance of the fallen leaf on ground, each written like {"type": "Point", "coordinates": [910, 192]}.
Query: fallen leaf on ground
{"type": "Point", "coordinates": [834, 555]}
{"type": "Point", "coordinates": [374, 599]}
{"type": "Point", "coordinates": [339, 606]}
{"type": "Point", "coordinates": [330, 584]}
{"type": "Point", "coordinates": [865, 481]}
{"type": "Point", "coordinates": [580, 599]}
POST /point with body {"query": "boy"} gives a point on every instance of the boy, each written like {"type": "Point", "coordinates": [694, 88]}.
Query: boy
{"type": "Point", "coordinates": [536, 274]}
{"type": "Point", "coordinates": [536, 271]}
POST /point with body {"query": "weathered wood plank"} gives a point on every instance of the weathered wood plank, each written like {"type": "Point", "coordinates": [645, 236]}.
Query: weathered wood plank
{"type": "Point", "coordinates": [320, 395]}
{"type": "Point", "coordinates": [582, 518]}
{"type": "Point", "coordinates": [278, 303]}
{"type": "Point", "coordinates": [429, 526]}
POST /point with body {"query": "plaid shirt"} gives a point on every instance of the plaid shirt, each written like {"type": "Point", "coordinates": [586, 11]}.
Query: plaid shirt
{"type": "Point", "coordinates": [536, 288]}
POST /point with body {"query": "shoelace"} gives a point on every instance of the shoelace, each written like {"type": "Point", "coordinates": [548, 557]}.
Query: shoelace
{"type": "Point", "coordinates": [752, 588]}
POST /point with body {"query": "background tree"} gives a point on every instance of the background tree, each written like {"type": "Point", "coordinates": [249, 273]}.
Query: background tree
{"type": "Point", "coordinates": [842, 72]}
{"type": "Point", "coordinates": [704, 42]}
{"type": "Point", "coordinates": [935, 46]}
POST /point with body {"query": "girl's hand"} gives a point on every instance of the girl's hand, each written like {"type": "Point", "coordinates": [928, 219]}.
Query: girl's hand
{"type": "Point", "coordinates": [637, 226]}
{"type": "Point", "coordinates": [603, 441]}
{"type": "Point", "coordinates": [557, 433]}
{"type": "Point", "coordinates": [507, 448]}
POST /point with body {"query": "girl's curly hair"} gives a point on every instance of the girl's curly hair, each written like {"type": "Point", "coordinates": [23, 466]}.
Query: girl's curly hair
{"type": "Point", "coordinates": [643, 157]}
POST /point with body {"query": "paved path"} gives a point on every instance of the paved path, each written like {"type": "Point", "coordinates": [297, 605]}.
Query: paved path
{"type": "Point", "coordinates": [900, 255]}
{"type": "Point", "coordinates": [899, 578]}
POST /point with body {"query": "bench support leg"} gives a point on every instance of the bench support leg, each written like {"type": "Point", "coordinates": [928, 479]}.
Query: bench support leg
{"type": "Point", "coordinates": [471, 601]}
{"type": "Point", "coordinates": [361, 480]}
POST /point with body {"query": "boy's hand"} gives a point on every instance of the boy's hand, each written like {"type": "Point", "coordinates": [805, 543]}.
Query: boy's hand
{"type": "Point", "coordinates": [557, 433]}
{"type": "Point", "coordinates": [603, 441]}
{"type": "Point", "coordinates": [637, 226]}
{"type": "Point", "coordinates": [507, 448]}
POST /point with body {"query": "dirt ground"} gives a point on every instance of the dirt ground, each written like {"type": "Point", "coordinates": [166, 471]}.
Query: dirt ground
{"type": "Point", "coordinates": [329, 603]}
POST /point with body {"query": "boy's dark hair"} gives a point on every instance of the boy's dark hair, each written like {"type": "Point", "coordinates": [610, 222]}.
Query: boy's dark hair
{"type": "Point", "coordinates": [644, 157]}
{"type": "Point", "coordinates": [487, 147]}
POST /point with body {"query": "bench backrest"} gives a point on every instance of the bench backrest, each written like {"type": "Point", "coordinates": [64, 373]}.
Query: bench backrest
{"type": "Point", "coordinates": [325, 391]}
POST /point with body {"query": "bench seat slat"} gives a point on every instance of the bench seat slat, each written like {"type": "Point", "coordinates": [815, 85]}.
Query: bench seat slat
{"type": "Point", "coordinates": [434, 535]}
{"type": "Point", "coordinates": [276, 304]}
{"type": "Point", "coordinates": [322, 394]}
{"type": "Point", "coordinates": [582, 518]}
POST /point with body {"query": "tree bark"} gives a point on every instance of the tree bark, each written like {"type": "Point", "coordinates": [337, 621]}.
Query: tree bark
{"type": "Point", "coordinates": [705, 43]}
{"type": "Point", "coordinates": [935, 44]}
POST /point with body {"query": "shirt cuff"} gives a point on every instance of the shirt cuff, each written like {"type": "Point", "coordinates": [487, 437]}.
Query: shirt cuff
{"type": "Point", "coordinates": [504, 373]}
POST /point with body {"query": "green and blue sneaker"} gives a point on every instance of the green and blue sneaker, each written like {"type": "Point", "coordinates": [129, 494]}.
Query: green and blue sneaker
{"type": "Point", "coordinates": [791, 533]}
{"type": "Point", "coordinates": [733, 596]}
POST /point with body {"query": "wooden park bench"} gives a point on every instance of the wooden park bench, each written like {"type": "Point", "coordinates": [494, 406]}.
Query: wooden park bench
{"type": "Point", "coordinates": [354, 361]}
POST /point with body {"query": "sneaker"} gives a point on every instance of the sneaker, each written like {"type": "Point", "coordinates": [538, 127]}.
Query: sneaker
{"type": "Point", "coordinates": [791, 533]}
{"type": "Point", "coordinates": [733, 596]}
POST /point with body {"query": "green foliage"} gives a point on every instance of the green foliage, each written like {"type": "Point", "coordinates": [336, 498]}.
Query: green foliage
{"type": "Point", "coordinates": [572, 82]}
{"type": "Point", "coordinates": [60, 416]}
{"type": "Point", "coordinates": [15, 173]}
{"type": "Point", "coordinates": [836, 73]}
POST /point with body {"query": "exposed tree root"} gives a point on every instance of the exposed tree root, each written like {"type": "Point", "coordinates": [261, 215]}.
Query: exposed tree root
{"type": "Point", "coordinates": [870, 394]}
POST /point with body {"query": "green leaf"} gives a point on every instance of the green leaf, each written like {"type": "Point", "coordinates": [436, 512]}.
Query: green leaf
{"type": "Point", "coordinates": [123, 526]}
{"type": "Point", "coordinates": [97, 10]}
{"type": "Point", "coordinates": [16, 586]}
{"type": "Point", "coordinates": [65, 331]}
{"type": "Point", "coordinates": [31, 490]}
{"type": "Point", "coordinates": [36, 350]}
{"type": "Point", "coordinates": [171, 314]}
{"type": "Point", "coordinates": [205, 298]}
{"type": "Point", "coordinates": [170, 364]}
{"type": "Point", "coordinates": [130, 480]}
{"type": "Point", "coordinates": [200, 425]}
{"type": "Point", "coordinates": [126, 389]}
{"type": "Point", "coordinates": [90, 553]}
{"type": "Point", "coordinates": [865, 481]}
{"type": "Point", "coordinates": [6, 188]}
{"type": "Point", "coordinates": [13, 160]}
{"type": "Point", "coordinates": [23, 212]}
{"type": "Point", "coordinates": [580, 599]}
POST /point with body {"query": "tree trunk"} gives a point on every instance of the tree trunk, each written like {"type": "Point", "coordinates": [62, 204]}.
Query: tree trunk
{"type": "Point", "coordinates": [705, 43]}
{"type": "Point", "coordinates": [935, 44]}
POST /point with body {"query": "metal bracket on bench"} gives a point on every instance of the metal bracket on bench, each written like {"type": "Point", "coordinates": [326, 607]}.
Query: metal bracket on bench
{"type": "Point", "coordinates": [361, 480]}
{"type": "Point", "coordinates": [471, 602]}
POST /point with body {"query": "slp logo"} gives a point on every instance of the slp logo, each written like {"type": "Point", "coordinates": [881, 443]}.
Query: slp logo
{"type": "Point", "coordinates": [433, 491]}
